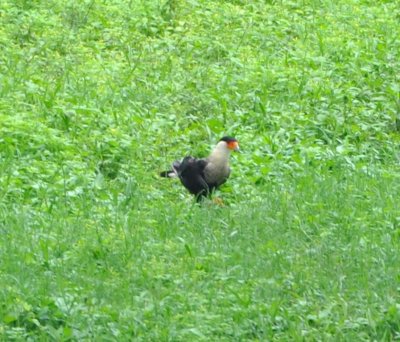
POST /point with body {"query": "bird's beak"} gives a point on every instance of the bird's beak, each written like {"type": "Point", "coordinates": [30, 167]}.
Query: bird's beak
{"type": "Point", "coordinates": [234, 146]}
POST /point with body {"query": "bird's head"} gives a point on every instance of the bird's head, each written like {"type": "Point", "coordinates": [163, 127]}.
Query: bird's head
{"type": "Point", "coordinates": [231, 143]}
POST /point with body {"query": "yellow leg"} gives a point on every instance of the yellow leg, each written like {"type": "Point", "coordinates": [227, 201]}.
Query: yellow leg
{"type": "Point", "coordinates": [218, 201]}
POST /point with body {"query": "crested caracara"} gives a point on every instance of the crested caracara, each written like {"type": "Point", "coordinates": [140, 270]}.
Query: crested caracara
{"type": "Point", "coordinates": [202, 176]}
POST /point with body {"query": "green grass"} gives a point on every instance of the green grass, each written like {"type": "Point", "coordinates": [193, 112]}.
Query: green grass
{"type": "Point", "coordinates": [97, 97]}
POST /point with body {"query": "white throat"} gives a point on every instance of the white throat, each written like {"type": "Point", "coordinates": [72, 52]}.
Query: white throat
{"type": "Point", "coordinates": [220, 154]}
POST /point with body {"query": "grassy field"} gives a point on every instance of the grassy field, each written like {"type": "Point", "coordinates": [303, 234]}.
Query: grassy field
{"type": "Point", "coordinates": [97, 97]}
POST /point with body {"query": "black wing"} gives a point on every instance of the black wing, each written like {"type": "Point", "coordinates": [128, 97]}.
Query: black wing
{"type": "Point", "coordinates": [191, 173]}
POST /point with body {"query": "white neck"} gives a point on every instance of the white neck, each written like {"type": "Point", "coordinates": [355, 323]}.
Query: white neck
{"type": "Point", "coordinates": [221, 152]}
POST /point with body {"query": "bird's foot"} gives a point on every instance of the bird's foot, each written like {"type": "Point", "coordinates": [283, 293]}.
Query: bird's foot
{"type": "Point", "coordinates": [219, 201]}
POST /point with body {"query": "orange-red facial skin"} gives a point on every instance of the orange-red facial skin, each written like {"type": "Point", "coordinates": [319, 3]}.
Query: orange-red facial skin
{"type": "Point", "coordinates": [233, 145]}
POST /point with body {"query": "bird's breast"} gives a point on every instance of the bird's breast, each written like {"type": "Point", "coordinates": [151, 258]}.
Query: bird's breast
{"type": "Point", "coordinates": [216, 171]}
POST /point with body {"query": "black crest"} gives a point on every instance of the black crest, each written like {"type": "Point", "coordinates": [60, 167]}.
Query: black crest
{"type": "Point", "coordinates": [228, 139]}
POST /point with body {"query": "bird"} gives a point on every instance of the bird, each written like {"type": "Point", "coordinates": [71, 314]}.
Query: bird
{"type": "Point", "coordinates": [201, 176]}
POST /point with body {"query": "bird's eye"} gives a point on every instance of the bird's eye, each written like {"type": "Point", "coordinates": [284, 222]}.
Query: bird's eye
{"type": "Point", "coordinates": [233, 145]}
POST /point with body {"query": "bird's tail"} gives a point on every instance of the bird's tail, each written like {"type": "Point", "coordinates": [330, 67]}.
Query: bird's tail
{"type": "Point", "coordinates": [168, 174]}
{"type": "Point", "coordinates": [172, 173]}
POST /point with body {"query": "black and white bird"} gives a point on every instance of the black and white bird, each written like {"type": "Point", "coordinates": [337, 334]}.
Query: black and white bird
{"type": "Point", "coordinates": [202, 176]}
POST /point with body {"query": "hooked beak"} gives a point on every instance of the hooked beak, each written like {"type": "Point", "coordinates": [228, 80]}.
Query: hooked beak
{"type": "Point", "coordinates": [234, 146]}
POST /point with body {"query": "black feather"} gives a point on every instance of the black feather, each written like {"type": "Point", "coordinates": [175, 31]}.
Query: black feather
{"type": "Point", "coordinates": [168, 174]}
{"type": "Point", "coordinates": [191, 173]}
{"type": "Point", "coordinates": [227, 139]}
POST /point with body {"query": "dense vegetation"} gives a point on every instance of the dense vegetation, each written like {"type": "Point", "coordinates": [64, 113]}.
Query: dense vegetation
{"type": "Point", "coordinates": [97, 97]}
